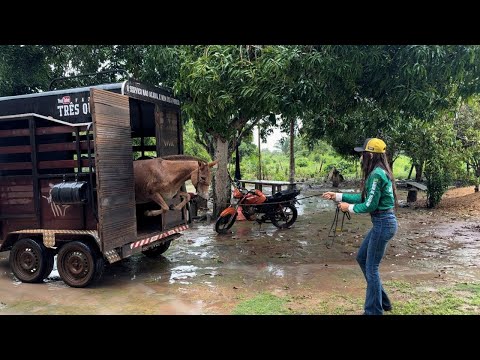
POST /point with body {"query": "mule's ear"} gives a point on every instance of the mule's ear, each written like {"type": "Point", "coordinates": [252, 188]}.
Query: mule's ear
{"type": "Point", "coordinates": [213, 163]}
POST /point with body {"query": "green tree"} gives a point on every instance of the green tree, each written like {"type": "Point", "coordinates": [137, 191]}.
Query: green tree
{"type": "Point", "coordinates": [443, 160]}
{"type": "Point", "coordinates": [224, 91]}
{"type": "Point", "coordinates": [191, 146]}
{"type": "Point", "coordinates": [23, 69]}
{"type": "Point", "coordinates": [383, 87]}
{"type": "Point", "coordinates": [467, 125]}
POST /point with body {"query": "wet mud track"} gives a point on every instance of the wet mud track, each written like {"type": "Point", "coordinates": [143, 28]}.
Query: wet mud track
{"type": "Point", "coordinates": [207, 273]}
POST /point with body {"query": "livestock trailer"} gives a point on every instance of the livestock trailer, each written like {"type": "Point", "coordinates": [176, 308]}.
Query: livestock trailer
{"type": "Point", "coordinates": [67, 181]}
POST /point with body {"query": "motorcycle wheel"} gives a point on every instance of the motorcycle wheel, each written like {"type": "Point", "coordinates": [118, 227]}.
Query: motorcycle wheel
{"type": "Point", "coordinates": [224, 223]}
{"type": "Point", "coordinates": [285, 216]}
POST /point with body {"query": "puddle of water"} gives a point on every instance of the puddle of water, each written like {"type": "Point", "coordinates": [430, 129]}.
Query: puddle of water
{"type": "Point", "coordinates": [201, 241]}
{"type": "Point", "coordinates": [183, 272]}
{"type": "Point", "coordinates": [459, 239]}
{"type": "Point", "coordinates": [276, 270]}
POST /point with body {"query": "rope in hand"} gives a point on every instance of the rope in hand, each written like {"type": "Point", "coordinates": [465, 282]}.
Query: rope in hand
{"type": "Point", "coordinates": [334, 227]}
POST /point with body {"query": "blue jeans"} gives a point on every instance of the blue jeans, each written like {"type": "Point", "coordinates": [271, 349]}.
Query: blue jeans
{"type": "Point", "coordinates": [369, 257]}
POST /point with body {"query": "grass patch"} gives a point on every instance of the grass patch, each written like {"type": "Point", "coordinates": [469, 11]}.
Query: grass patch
{"type": "Point", "coordinates": [268, 304]}
{"type": "Point", "coordinates": [339, 305]}
{"type": "Point", "coordinates": [263, 304]}
{"type": "Point", "coordinates": [400, 286]}
{"type": "Point", "coordinates": [459, 299]}
{"type": "Point", "coordinates": [473, 292]}
{"type": "Point", "coordinates": [423, 298]}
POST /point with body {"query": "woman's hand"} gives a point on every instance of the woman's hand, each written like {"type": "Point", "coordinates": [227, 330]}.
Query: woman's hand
{"type": "Point", "coordinates": [329, 195]}
{"type": "Point", "coordinates": [344, 206]}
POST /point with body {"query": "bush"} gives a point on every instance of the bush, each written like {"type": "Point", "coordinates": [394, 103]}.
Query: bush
{"type": "Point", "coordinates": [438, 181]}
{"type": "Point", "coordinates": [302, 162]}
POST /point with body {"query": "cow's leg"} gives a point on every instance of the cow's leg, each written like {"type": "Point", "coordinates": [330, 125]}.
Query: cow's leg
{"type": "Point", "coordinates": [159, 200]}
{"type": "Point", "coordinates": [186, 198]}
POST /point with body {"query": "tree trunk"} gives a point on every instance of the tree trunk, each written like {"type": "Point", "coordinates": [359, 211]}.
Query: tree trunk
{"type": "Point", "coordinates": [222, 192]}
{"type": "Point", "coordinates": [238, 174]}
{"type": "Point", "coordinates": [292, 155]}
{"type": "Point", "coordinates": [259, 156]}
{"type": "Point", "coordinates": [418, 172]}
{"type": "Point", "coordinates": [390, 159]}
{"type": "Point", "coordinates": [410, 173]}
{"type": "Point", "coordinates": [477, 174]}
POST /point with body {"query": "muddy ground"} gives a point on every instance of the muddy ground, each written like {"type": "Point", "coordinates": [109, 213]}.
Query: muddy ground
{"type": "Point", "coordinates": [431, 266]}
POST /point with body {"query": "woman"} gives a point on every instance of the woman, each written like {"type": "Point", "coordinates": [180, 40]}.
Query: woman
{"type": "Point", "coordinates": [378, 198]}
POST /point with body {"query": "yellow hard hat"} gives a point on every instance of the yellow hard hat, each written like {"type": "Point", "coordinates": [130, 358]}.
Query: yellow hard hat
{"type": "Point", "coordinates": [374, 145]}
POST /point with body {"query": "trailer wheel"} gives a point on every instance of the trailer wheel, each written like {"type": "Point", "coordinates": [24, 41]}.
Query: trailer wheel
{"type": "Point", "coordinates": [157, 250]}
{"type": "Point", "coordinates": [79, 264]}
{"type": "Point", "coordinates": [30, 260]}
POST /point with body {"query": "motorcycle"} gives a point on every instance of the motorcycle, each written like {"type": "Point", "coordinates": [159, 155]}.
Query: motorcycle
{"type": "Point", "coordinates": [279, 208]}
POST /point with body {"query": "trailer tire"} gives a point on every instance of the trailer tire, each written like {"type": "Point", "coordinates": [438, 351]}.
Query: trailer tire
{"type": "Point", "coordinates": [79, 264]}
{"type": "Point", "coordinates": [157, 250]}
{"type": "Point", "coordinates": [30, 260]}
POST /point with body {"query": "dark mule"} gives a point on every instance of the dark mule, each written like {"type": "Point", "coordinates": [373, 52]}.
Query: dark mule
{"type": "Point", "coordinates": [160, 179]}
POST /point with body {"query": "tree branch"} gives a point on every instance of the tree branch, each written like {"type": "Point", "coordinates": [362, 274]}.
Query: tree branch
{"type": "Point", "coordinates": [248, 128]}
{"type": "Point", "coordinates": [200, 140]}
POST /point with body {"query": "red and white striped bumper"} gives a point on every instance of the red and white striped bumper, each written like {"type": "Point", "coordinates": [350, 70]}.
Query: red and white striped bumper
{"type": "Point", "coordinates": [151, 239]}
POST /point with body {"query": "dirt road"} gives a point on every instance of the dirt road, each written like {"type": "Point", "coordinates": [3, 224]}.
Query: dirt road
{"type": "Point", "coordinates": [431, 266]}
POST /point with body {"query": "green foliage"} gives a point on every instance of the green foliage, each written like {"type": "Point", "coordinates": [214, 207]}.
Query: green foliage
{"type": "Point", "coordinates": [467, 125]}
{"type": "Point", "coordinates": [313, 164]}
{"type": "Point", "coordinates": [222, 87]}
{"type": "Point", "coordinates": [438, 180]}
{"type": "Point", "coordinates": [30, 68]}
{"type": "Point", "coordinates": [401, 167]}
{"type": "Point", "coordinates": [385, 88]}
{"type": "Point", "coordinates": [23, 69]}
{"type": "Point", "coordinates": [190, 144]}
{"type": "Point", "coordinates": [247, 148]}
{"type": "Point", "coordinates": [443, 160]}
{"type": "Point", "coordinates": [302, 162]}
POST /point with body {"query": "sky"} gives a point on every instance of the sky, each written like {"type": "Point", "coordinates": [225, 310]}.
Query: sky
{"type": "Point", "coordinates": [271, 140]}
